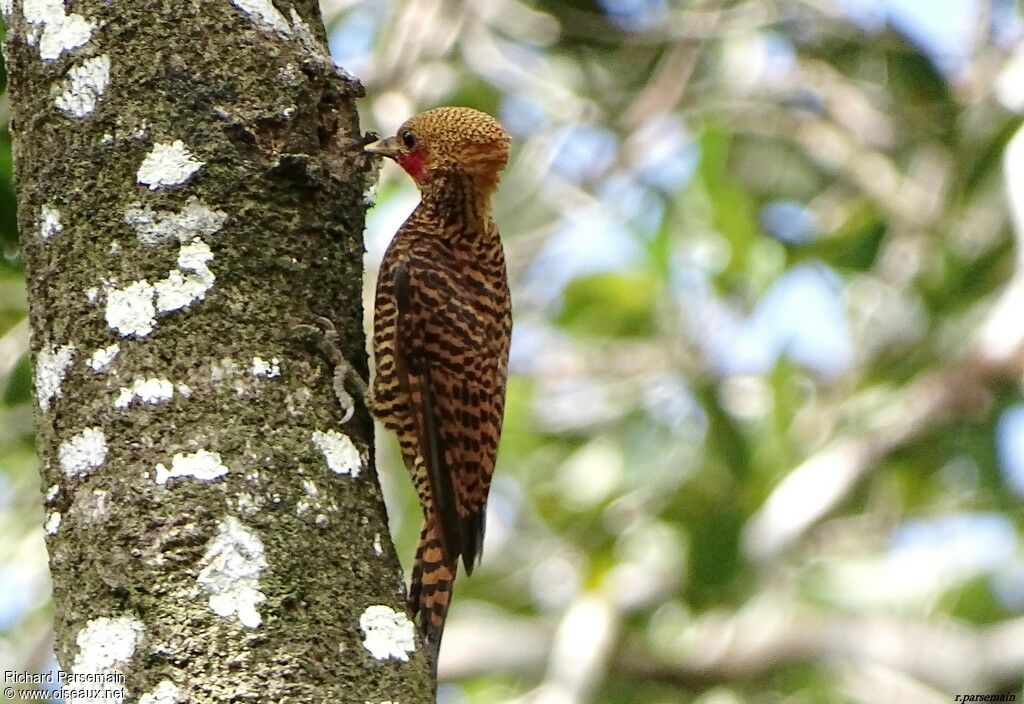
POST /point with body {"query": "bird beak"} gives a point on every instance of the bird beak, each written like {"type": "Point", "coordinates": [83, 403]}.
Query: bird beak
{"type": "Point", "coordinates": [385, 147]}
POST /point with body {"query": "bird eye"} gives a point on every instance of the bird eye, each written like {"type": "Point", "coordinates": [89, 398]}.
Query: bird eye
{"type": "Point", "coordinates": [409, 139]}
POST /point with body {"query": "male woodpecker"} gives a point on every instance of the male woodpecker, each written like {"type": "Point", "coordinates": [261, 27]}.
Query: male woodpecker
{"type": "Point", "coordinates": [441, 329]}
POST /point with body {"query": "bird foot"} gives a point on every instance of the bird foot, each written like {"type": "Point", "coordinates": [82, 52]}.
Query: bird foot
{"type": "Point", "coordinates": [327, 342]}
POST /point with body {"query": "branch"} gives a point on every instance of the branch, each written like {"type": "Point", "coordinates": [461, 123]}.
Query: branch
{"type": "Point", "coordinates": [823, 481]}
{"type": "Point", "coordinates": [190, 182]}
{"type": "Point", "coordinates": [767, 636]}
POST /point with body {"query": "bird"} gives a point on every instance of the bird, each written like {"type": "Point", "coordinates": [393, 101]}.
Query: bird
{"type": "Point", "coordinates": [442, 326]}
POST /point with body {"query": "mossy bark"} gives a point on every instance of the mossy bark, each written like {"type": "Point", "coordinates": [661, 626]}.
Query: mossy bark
{"type": "Point", "coordinates": [276, 128]}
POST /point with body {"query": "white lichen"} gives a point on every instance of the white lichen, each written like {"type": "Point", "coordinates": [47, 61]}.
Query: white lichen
{"type": "Point", "coordinates": [51, 368]}
{"type": "Point", "coordinates": [130, 309]}
{"type": "Point", "coordinates": [194, 256]}
{"type": "Point", "coordinates": [52, 492]}
{"type": "Point", "coordinates": [247, 503]}
{"type": "Point", "coordinates": [60, 32]}
{"type": "Point", "coordinates": [104, 646]}
{"type": "Point", "coordinates": [92, 294]}
{"type": "Point", "coordinates": [261, 367]}
{"type": "Point", "coordinates": [70, 32]}
{"type": "Point", "coordinates": [164, 693]}
{"type": "Point", "coordinates": [288, 73]}
{"type": "Point", "coordinates": [83, 453]}
{"type": "Point", "coordinates": [378, 548]}
{"type": "Point", "coordinates": [388, 633]}
{"type": "Point", "coordinates": [168, 165]}
{"type": "Point", "coordinates": [190, 281]}
{"type": "Point", "coordinates": [178, 291]}
{"type": "Point", "coordinates": [341, 454]}
{"type": "Point", "coordinates": [52, 522]}
{"type": "Point", "coordinates": [38, 12]}
{"type": "Point", "coordinates": [223, 370]}
{"type": "Point", "coordinates": [265, 12]}
{"type": "Point", "coordinates": [226, 373]}
{"type": "Point", "coordinates": [99, 507]}
{"type": "Point", "coordinates": [231, 570]}
{"type": "Point", "coordinates": [151, 391]}
{"type": "Point", "coordinates": [305, 36]}
{"type": "Point", "coordinates": [49, 222]}
{"type": "Point", "coordinates": [84, 85]}
{"type": "Point", "coordinates": [196, 219]}
{"type": "Point", "coordinates": [102, 357]}
{"type": "Point", "coordinates": [201, 464]}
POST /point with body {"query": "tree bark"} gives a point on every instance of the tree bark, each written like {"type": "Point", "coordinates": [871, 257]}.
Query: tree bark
{"type": "Point", "coordinates": [190, 182]}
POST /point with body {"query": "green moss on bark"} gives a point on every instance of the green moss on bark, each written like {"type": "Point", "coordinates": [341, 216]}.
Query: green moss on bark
{"type": "Point", "coordinates": [278, 131]}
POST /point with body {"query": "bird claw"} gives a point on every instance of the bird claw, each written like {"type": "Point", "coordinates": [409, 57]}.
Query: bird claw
{"type": "Point", "coordinates": [341, 373]}
{"type": "Point", "coordinates": [327, 342]}
{"type": "Point", "coordinates": [324, 330]}
{"type": "Point", "coordinates": [348, 406]}
{"type": "Point", "coordinates": [304, 329]}
{"type": "Point", "coordinates": [329, 332]}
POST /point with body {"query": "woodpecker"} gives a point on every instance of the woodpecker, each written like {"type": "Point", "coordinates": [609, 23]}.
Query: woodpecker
{"type": "Point", "coordinates": [442, 324]}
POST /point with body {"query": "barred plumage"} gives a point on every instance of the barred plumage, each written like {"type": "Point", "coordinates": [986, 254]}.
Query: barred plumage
{"type": "Point", "coordinates": [442, 327]}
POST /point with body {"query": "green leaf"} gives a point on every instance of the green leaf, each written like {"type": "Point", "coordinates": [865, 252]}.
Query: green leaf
{"type": "Point", "coordinates": [610, 305]}
{"type": "Point", "coordinates": [852, 247]}
{"type": "Point", "coordinates": [19, 384]}
{"type": "Point", "coordinates": [733, 213]}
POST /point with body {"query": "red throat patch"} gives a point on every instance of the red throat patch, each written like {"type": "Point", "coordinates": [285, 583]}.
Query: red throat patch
{"type": "Point", "coordinates": [414, 163]}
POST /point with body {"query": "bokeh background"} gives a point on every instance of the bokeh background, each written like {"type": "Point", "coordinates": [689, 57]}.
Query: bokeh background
{"type": "Point", "coordinates": [765, 433]}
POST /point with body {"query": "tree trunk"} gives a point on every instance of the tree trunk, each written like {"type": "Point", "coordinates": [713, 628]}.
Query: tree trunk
{"type": "Point", "coordinates": [190, 182]}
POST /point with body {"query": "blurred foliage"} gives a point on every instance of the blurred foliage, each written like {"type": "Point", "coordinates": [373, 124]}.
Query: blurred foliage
{"type": "Point", "coordinates": [763, 437]}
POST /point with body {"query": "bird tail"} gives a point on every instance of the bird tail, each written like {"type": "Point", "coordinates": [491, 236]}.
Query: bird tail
{"type": "Point", "coordinates": [430, 592]}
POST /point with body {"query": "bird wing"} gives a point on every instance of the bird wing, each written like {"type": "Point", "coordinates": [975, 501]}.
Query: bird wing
{"type": "Point", "coordinates": [451, 359]}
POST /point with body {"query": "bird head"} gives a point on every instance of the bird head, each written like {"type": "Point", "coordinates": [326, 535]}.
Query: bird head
{"type": "Point", "coordinates": [446, 141]}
